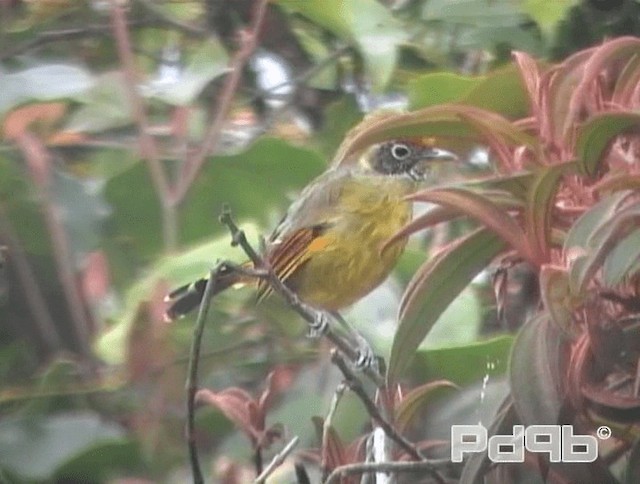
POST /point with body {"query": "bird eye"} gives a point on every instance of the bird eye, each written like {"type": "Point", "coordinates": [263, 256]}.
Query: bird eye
{"type": "Point", "coordinates": [400, 151]}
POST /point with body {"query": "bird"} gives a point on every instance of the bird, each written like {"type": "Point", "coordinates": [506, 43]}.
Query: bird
{"type": "Point", "coordinates": [327, 248]}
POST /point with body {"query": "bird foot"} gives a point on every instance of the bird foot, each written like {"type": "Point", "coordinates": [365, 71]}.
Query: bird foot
{"type": "Point", "coordinates": [366, 358]}
{"type": "Point", "coordinates": [319, 326]}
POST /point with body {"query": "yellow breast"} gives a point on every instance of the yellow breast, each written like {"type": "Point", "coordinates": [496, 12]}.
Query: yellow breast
{"type": "Point", "coordinates": [352, 265]}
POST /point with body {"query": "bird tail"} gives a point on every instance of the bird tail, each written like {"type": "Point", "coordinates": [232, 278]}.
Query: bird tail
{"type": "Point", "coordinates": [185, 299]}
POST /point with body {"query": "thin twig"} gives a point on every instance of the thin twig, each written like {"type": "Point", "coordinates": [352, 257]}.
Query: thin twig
{"type": "Point", "coordinates": [148, 145]}
{"type": "Point", "coordinates": [30, 288]}
{"type": "Point", "coordinates": [307, 312]}
{"type": "Point", "coordinates": [356, 387]}
{"type": "Point", "coordinates": [328, 423]}
{"type": "Point", "coordinates": [276, 114]}
{"type": "Point", "coordinates": [40, 161]}
{"type": "Point", "coordinates": [277, 460]}
{"type": "Point", "coordinates": [192, 372]}
{"type": "Point", "coordinates": [249, 41]}
{"type": "Point", "coordinates": [389, 467]}
{"type": "Point", "coordinates": [48, 37]}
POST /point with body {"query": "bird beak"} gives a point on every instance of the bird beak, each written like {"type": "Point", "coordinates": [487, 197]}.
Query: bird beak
{"type": "Point", "coordinates": [430, 154]}
{"type": "Point", "coordinates": [419, 171]}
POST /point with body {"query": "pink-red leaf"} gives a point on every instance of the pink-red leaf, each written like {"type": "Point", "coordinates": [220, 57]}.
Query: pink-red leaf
{"type": "Point", "coordinates": [626, 91]}
{"type": "Point", "coordinates": [596, 135]}
{"type": "Point", "coordinates": [446, 121]}
{"type": "Point", "coordinates": [438, 282]}
{"type": "Point", "coordinates": [483, 210]}
{"type": "Point", "coordinates": [416, 399]}
{"type": "Point", "coordinates": [604, 56]}
{"type": "Point", "coordinates": [556, 296]}
{"type": "Point", "coordinates": [540, 205]}
{"type": "Point", "coordinates": [531, 76]}
{"type": "Point", "coordinates": [236, 404]}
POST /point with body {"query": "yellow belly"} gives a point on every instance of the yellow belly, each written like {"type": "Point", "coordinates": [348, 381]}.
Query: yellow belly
{"type": "Point", "coordinates": [352, 264]}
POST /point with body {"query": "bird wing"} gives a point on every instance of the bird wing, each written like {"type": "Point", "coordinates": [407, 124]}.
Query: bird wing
{"type": "Point", "coordinates": [303, 229]}
{"type": "Point", "coordinates": [288, 255]}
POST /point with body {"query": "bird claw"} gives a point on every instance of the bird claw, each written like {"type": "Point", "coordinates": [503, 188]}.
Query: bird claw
{"type": "Point", "coordinates": [319, 326]}
{"type": "Point", "coordinates": [366, 358]}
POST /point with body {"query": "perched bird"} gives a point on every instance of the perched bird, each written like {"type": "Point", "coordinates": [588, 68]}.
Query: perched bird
{"type": "Point", "coordinates": [327, 248]}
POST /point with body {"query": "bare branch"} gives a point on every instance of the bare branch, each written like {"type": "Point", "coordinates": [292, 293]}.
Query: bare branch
{"type": "Point", "coordinates": [30, 288]}
{"type": "Point", "coordinates": [192, 372]}
{"type": "Point", "coordinates": [389, 467]}
{"type": "Point", "coordinates": [308, 313]}
{"type": "Point", "coordinates": [249, 41]}
{"type": "Point", "coordinates": [277, 460]}
{"type": "Point", "coordinates": [356, 387]}
{"type": "Point", "coordinates": [148, 145]}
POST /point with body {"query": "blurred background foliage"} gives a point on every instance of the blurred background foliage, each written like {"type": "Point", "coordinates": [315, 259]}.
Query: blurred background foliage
{"type": "Point", "coordinates": [92, 378]}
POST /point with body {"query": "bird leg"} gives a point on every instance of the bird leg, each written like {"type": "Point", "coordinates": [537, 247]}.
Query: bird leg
{"type": "Point", "coordinates": [366, 356]}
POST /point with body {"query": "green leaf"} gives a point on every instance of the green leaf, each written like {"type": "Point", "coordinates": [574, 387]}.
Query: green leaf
{"type": "Point", "coordinates": [42, 83]}
{"type": "Point", "coordinates": [36, 449]}
{"type": "Point", "coordinates": [253, 183]}
{"type": "Point", "coordinates": [534, 372]}
{"type": "Point", "coordinates": [366, 23]}
{"type": "Point", "coordinates": [474, 12]}
{"type": "Point", "coordinates": [176, 269]}
{"type": "Point", "coordinates": [580, 232]}
{"type": "Point", "coordinates": [435, 285]}
{"type": "Point", "coordinates": [601, 243]}
{"type": "Point", "coordinates": [205, 64]}
{"type": "Point", "coordinates": [512, 101]}
{"type": "Point", "coordinates": [84, 208]}
{"type": "Point", "coordinates": [104, 106]}
{"type": "Point", "coordinates": [464, 364]}
{"type": "Point", "coordinates": [439, 88]}
{"type": "Point", "coordinates": [548, 14]}
{"type": "Point", "coordinates": [239, 180]}
{"type": "Point", "coordinates": [595, 136]}
{"type": "Point", "coordinates": [623, 260]}
{"type": "Point", "coordinates": [540, 206]}
{"type": "Point", "coordinates": [478, 91]}
{"type": "Point", "coordinates": [459, 324]}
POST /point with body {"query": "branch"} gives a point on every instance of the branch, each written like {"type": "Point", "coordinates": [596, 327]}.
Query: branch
{"type": "Point", "coordinates": [148, 145]}
{"type": "Point", "coordinates": [39, 161]}
{"type": "Point", "coordinates": [192, 376]}
{"type": "Point", "coordinates": [308, 313]}
{"type": "Point", "coordinates": [276, 114]}
{"type": "Point", "coordinates": [389, 467]}
{"type": "Point", "coordinates": [277, 460]}
{"type": "Point", "coordinates": [30, 288]}
{"type": "Point", "coordinates": [328, 422]}
{"type": "Point", "coordinates": [249, 41]}
{"type": "Point", "coordinates": [356, 387]}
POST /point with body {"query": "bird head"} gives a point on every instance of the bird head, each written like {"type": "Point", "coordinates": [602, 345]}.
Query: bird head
{"type": "Point", "coordinates": [404, 157]}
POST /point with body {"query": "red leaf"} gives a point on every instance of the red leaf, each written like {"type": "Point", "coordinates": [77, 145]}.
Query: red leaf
{"type": "Point", "coordinates": [237, 405]}
{"type": "Point", "coordinates": [531, 77]}
{"type": "Point", "coordinates": [485, 211]}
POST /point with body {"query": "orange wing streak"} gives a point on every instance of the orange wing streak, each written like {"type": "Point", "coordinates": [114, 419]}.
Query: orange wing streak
{"type": "Point", "coordinates": [291, 254]}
